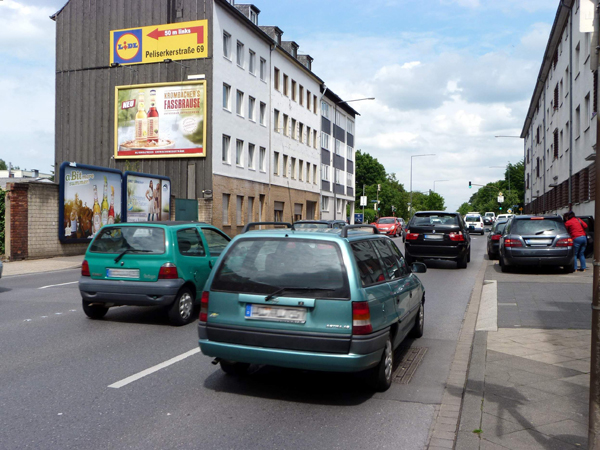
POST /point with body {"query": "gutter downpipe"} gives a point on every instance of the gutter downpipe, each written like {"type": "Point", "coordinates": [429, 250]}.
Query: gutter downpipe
{"type": "Point", "coordinates": [570, 107]}
{"type": "Point", "coordinates": [544, 155]}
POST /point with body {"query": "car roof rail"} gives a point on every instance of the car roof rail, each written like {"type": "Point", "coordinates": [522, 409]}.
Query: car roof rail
{"type": "Point", "coordinates": [254, 224]}
{"type": "Point", "coordinates": [323, 222]}
{"type": "Point", "coordinates": [350, 227]}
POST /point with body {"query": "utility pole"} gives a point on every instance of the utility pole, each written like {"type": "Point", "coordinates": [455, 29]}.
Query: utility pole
{"type": "Point", "coordinates": [594, 411]}
{"type": "Point", "coordinates": [363, 204]}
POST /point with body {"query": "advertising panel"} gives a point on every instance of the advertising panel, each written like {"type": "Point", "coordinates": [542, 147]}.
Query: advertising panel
{"type": "Point", "coordinates": [161, 120]}
{"type": "Point", "coordinates": [184, 40]}
{"type": "Point", "coordinates": [147, 197]}
{"type": "Point", "coordinates": [90, 197]}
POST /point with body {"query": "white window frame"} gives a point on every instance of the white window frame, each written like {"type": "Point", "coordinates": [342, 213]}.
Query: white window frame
{"type": "Point", "coordinates": [225, 209]}
{"type": "Point", "coordinates": [262, 159]}
{"type": "Point", "coordinates": [226, 45]}
{"type": "Point", "coordinates": [285, 166]}
{"type": "Point", "coordinates": [263, 68]}
{"type": "Point", "coordinates": [262, 113]}
{"type": "Point", "coordinates": [225, 147]}
{"type": "Point", "coordinates": [239, 103]}
{"type": "Point", "coordinates": [239, 153]}
{"type": "Point", "coordinates": [239, 209]}
{"type": "Point", "coordinates": [276, 121]}
{"type": "Point", "coordinates": [325, 109]}
{"type": "Point", "coordinates": [349, 153]}
{"type": "Point", "coordinates": [252, 62]}
{"type": "Point", "coordinates": [251, 156]}
{"type": "Point", "coordinates": [251, 108]}
{"type": "Point", "coordinates": [324, 141]}
{"type": "Point", "coordinates": [324, 203]}
{"type": "Point", "coordinates": [240, 54]}
{"type": "Point", "coordinates": [276, 168]}
{"type": "Point", "coordinates": [325, 172]}
{"type": "Point", "coordinates": [226, 97]}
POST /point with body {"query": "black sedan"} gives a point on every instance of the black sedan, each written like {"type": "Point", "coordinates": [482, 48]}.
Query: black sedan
{"type": "Point", "coordinates": [536, 241]}
{"type": "Point", "coordinates": [493, 240]}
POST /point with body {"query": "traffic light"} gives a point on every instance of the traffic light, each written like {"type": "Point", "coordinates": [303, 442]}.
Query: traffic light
{"type": "Point", "coordinates": [501, 208]}
{"type": "Point", "coordinates": [469, 185]}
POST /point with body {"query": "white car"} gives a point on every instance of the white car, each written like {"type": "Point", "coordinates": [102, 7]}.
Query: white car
{"type": "Point", "coordinates": [504, 217]}
{"type": "Point", "coordinates": [474, 223]}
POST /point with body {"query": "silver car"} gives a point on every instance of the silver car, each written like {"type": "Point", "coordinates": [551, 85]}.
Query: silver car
{"type": "Point", "coordinates": [536, 241]}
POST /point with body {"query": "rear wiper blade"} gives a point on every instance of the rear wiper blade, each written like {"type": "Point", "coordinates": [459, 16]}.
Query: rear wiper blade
{"type": "Point", "coordinates": [130, 249]}
{"type": "Point", "coordinates": [543, 231]}
{"type": "Point", "coordinates": [285, 289]}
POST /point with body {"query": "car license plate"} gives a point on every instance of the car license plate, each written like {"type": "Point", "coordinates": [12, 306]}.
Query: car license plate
{"type": "Point", "coordinates": [275, 313]}
{"type": "Point", "coordinates": [538, 241]}
{"type": "Point", "coordinates": [436, 237]}
{"type": "Point", "coordinates": [471, 227]}
{"type": "Point", "coordinates": [122, 273]}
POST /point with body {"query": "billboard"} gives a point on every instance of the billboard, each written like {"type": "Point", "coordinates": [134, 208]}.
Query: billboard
{"type": "Point", "coordinates": [184, 40]}
{"type": "Point", "coordinates": [90, 197]}
{"type": "Point", "coordinates": [146, 197]}
{"type": "Point", "coordinates": [162, 120]}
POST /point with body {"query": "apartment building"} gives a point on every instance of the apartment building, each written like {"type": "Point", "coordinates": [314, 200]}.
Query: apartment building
{"type": "Point", "coordinates": [560, 131]}
{"type": "Point", "coordinates": [337, 157]}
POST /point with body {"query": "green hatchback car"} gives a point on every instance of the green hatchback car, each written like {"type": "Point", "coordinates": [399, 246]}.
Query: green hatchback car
{"type": "Point", "coordinates": [150, 264]}
{"type": "Point", "coordinates": [337, 300]}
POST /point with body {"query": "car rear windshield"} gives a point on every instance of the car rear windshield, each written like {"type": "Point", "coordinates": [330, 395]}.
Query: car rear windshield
{"type": "Point", "coordinates": [499, 228]}
{"type": "Point", "coordinates": [434, 219]}
{"type": "Point", "coordinates": [387, 221]}
{"type": "Point", "coordinates": [297, 226]}
{"type": "Point", "coordinates": [118, 239]}
{"type": "Point", "coordinates": [538, 227]}
{"type": "Point", "coordinates": [265, 265]}
{"type": "Point", "coordinates": [473, 219]}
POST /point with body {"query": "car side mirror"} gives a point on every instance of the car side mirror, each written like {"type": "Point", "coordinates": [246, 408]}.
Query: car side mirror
{"type": "Point", "coordinates": [418, 267]}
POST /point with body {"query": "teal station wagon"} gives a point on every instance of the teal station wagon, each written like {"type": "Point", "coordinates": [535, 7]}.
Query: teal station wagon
{"type": "Point", "coordinates": [337, 300]}
{"type": "Point", "coordinates": [150, 264]}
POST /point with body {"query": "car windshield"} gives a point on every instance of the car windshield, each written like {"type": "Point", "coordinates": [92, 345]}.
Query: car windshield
{"type": "Point", "coordinates": [489, 214]}
{"type": "Point", "coordinates": [265, 265]}
{"type": "Point", "coordinates": [473, 219]}
{"type": "Point", "coordinates": [434, 219]}
{"type": "Point", "coordinates": [118, 239]}
{"type": "Point", "coordinates": [538, 227]}
{"type": "Point", "coordinates": [297, 226]}
{"type": "Point", "coordinates": [386, 221]}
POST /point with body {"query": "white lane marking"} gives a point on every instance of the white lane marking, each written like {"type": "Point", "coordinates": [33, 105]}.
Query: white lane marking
{"type": "Point", "coordinates": [143, 373]}
{"type": "Point", "coordinates": [61, 284]}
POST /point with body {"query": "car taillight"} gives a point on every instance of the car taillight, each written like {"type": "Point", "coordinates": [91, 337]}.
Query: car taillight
{"type": "Point", "coordinates": [456, 237]}
{"type": "Point", "coordinates": [168, 271]}
{"type": "Point", "coordinates": [361, 318]}
{"type": "Point", "coordinates": [85, 269]}
{"type": "Point", "coordinates": [204, 307]}
{"type": "Point", "coordinates": [536, 218]}
{"type": "Point", "coordinates": [495, 237]}
{"type": "Point", "coordinates": [512, 243]}
{"type": "Point", "coordinates": [412, 236]}
{"type": "Point", "coordinates": [565, 242]}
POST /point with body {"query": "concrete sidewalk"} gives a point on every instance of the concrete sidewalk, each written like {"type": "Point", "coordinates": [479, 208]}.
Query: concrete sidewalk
{"type": "Point", "coordinates": [41, 265]}
{"type": "Point", "coordinates": [528, 382]}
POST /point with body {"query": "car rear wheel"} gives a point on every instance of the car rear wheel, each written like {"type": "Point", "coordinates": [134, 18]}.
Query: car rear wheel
{"type": "Point", "coordinates": [461, 262]}
{"type": "Point", "coordinates": [503, 266]}
{"type": "Point", "coordinates": [568, 269]}
{"type": "Point", "coordinates": [94, 311]}
{"type": "Point", "coordinates": [419, 327]}
{"type": "Point", "coordinates": [181, 311]}
{"type": "Point", "coordinates": [234, 368]}
{"type": "Point", "coordinates": [381, 375]}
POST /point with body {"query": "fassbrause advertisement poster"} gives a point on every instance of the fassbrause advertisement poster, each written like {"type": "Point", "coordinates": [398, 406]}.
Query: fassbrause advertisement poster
{"type": "Point", "coordinates": [147, 199]}
{"type": "Point", "coordinates": [160, 120]}
{"type": "Point", "coordinates": [92, 199]}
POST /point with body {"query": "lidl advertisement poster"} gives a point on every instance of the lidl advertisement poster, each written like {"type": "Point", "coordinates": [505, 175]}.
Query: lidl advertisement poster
{"type": "Point", "coordinates": [160, 120]}
{"type": "Point", "coordinates": [92, 199]}
{"type": "Point", "coordinates": [148, 199]}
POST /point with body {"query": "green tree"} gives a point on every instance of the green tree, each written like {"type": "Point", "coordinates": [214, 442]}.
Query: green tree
{"type": "Point", "coordinates": [3, 165]}
{"type": "Point", "coordinates": [435, 202]}
{"type": "Point", "coordinates": [464, 209]}
{"type": "Point", "coordinates": [369, 171]}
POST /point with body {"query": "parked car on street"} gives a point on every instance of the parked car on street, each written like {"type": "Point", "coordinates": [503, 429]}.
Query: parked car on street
{"type": "Point", "coordinates": [388, 226]}
{"type": "Point", "coordinates": [438, 235]}
{"type": "Point", "coordinates": [474, 223]}
{"type": "Point", "coordinates": [504, 216]}
{"type": "Point", "coordinates": [489, 218]}
{"type": "Point", "coordinates": [493, 240]}
{"type": "Point", "coordinates": [589, 221]}
{"type": "Point", "coordinates": [536, 241]}
{"type": "Point", "coordinates": [336, 302]}
{"type": "Point", "coordinates": [402, 225]}
{"type": "Point", "coordinates": [306, 224]}
{"type": "Point", "coordinates": [149, 264]}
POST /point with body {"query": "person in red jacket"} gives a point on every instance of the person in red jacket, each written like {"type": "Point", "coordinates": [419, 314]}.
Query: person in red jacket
{"type": "Point", "coordinates": [576, 228]}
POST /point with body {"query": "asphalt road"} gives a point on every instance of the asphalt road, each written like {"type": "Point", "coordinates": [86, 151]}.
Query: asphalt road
{"type": "Point", "coordinates": [56, 367]}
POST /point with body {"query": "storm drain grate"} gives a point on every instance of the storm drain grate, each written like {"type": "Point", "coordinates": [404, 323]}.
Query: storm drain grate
{"type": "Point", "coordinates": [409, 362]}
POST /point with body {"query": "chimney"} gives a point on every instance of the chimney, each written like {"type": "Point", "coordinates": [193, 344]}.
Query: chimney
{"type": "Point", "coordinates": [306, 61]}
{"type": "Point", "coordinates": [274, 33]}
{"type": "Point", "coordinates": [250, 11]}
{"type": "Point", "coordinates": [36, 173]}
{"type": "Point", "coordinates": [291, 47]}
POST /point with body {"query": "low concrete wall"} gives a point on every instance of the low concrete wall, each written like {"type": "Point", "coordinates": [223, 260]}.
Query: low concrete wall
{"type": "Point", "coordinates": [32, 222]}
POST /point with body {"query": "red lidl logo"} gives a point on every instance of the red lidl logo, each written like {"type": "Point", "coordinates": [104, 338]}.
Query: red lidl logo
{"type": "Point", "coordinates": [128, 46]}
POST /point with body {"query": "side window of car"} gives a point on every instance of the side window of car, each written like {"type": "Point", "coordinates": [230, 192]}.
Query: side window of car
{"type": "Point", "coordinates": [216, 241]}
{"type": "Point", "coordinates": [368, 263]}
{"type": "Point", "coordinates": [390, 262]}
{"type": "Point", "coordinates": [189, 242]}
{"type": "Point", "coordinates": [404, 270]}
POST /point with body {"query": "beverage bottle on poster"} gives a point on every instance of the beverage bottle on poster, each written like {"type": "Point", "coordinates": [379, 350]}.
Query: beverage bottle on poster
{"type": "Point", "coordinates": [97, 224]}
{"type": "Point", "coordinates": [111, 210]}
{"type": "Point", "coordinates": [105, 204]}
{"type": "Point", "coordinates": [153, 118]}
{"type": "Point", "coordinates": [73, 220]}
{"type": "Point", "coordinates": [141, 120]}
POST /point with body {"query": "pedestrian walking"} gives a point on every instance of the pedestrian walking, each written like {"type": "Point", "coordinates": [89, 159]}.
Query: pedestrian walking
{"type": "Point", "coordinates": [576, 228]}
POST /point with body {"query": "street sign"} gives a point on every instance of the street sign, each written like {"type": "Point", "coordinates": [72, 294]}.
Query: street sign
{"type": "Point", "coordinates": [358, 218]}
{"type": "Point", "coordinates": [509, 211]}
{"type": "Point", "coordinates": [521, 208]}
{"type": "Point", "coordinates": [363, 200]}
{"type": "Point", "coordinates": [373, 201]}
{"type": "Point", "coordinates": [379, 187]}
{"type": "Point", "coordinates": [500, 198]}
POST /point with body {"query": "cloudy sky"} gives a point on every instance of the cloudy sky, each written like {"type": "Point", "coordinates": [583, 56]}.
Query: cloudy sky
{"type": "Point", "coordinates": [447, 75]}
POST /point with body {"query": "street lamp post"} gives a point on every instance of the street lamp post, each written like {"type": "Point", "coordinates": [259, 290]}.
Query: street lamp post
{"type": "Point", "coordinates": [334, 119]}
{"type": "Point", "coordinates": [437, 181]}
{"type": "Point", "coordinates": [411, 191]}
